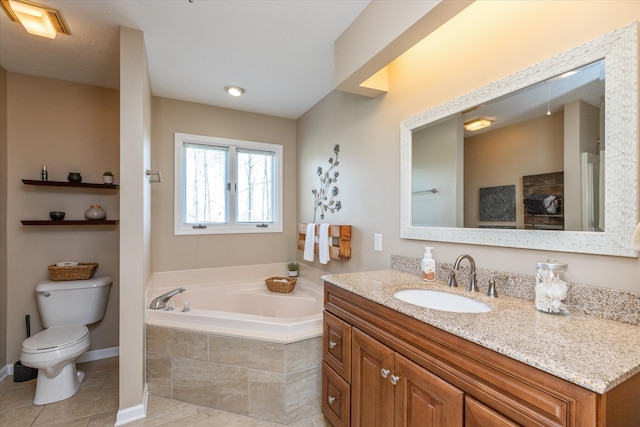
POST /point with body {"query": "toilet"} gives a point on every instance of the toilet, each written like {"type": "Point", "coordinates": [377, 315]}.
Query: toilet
{"type": "Point", "coordinates": [66, 307]}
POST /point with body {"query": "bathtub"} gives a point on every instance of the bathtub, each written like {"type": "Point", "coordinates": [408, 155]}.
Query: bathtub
{"type": "Point", "coordinates": [227, 306]}
{"type": "Point", "coordinates": [241, 348]}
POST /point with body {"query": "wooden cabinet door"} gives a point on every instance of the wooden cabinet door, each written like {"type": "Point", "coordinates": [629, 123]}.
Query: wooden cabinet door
{"type": "Point", "coordinates": [423, 399]}
{"type": "Point", "coordinates": [336, 345]}
{"type": "Point", "coordinates": [336, 398]}
{"type": "Point", "coordinates": [371, 389]}
{"type": "Point", "coordinates": [478, 415]}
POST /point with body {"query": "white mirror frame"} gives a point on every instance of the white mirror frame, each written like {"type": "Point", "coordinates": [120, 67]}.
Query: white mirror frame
{"type": "Point", "coordinates": [620, 51]}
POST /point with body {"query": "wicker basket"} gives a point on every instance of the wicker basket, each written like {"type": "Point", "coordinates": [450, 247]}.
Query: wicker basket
{"type": "Point", "coordinates": [281, 284]}
{"type": "Point", "coordinates": [76, 272]}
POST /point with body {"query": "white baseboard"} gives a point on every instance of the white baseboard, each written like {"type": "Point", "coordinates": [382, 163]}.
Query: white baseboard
{"type": "Point", "coordinates": [103, 353]}
{"type": "Point", "coordinates": [133, 413]}
{"type": "Point", "coordinates": [89, 356]}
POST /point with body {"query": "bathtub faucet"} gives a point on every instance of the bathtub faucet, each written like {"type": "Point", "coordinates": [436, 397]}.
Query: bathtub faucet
{"type": "Point", "coordinates": [161, 301]}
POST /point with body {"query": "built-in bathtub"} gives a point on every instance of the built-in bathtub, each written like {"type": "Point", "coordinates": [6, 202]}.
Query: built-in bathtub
{"type": "Point", "coordinates": [241, 348]}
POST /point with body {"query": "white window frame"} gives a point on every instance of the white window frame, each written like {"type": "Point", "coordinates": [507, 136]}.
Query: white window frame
{"type": "Point", "coordinates": [180, 228]}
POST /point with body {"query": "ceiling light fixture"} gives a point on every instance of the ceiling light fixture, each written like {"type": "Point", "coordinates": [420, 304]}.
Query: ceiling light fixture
{"type": "Point", "coordinates": [477, 124]}
{"type": "Point", "coordinates": [36, 19]}
{"type": "Point", "coordinates": [234, 90]}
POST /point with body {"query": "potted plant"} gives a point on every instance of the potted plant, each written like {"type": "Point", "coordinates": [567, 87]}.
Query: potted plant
{"type": "Point", "coordinates": [293, 269]}
{"type": "Point", "coordinates": [107, 177]}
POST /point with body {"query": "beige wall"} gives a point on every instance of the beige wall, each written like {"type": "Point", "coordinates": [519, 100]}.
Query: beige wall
{"type": "Point", "coordinates": [485, 42]}
{"type": "Point", "coordinates": [3, 217]}
{"type": "Point", "coordinates": [68, 127]}
{"type": "Point", "coordinates": [186, 252]}
{"type": "Point", "coordinates": [505, 155]}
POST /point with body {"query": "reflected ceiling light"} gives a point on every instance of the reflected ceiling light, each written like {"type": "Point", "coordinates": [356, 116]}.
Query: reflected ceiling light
{"type": "Point", "coordinates": [36, 19]}
{"type": "Point", "coordinates": [477, 124]}
{"type": "Point", "coordinates": [234, 90]}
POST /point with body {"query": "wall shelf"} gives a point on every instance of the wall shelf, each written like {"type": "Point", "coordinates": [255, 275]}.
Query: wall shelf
{"type": "Point", "coordinates": [81, 222]}
{"type": "Point", "coordinates": [70, 222]}
{"type": "Point", "coordinates": [70, 184]}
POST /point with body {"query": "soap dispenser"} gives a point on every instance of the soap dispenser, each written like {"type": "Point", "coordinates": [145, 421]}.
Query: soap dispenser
{"type": "Point", "coordinates": [428, 266]}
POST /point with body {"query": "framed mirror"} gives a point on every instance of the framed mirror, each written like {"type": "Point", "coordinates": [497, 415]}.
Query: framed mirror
{"type": "Point", "coordinates": [576, 190]}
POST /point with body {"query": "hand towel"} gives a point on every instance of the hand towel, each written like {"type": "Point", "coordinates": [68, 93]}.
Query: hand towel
{"type": "Point", "coordinates": [309, 242]}
{"type": "Point", "coordinates": [323, 244]}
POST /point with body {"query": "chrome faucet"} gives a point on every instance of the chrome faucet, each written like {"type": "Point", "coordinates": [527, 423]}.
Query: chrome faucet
{"type": "Point", "coordinates": [161, 301]}
{"type": "Point", "coordinates": [472, 286]}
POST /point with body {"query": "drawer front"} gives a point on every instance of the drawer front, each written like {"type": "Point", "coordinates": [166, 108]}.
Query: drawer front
{"type": "Point", "coordinates": [477, 415]}
{"type": "Point", "coordinates": [336, 345]}
{"type": "Point", "coordinates": [336, 398]}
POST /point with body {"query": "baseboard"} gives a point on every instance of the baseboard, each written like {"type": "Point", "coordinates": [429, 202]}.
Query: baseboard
{"type": "Point", "coordinates": [103, 353]}
{"type": "Point", "coordinates": [89, 356]}
{"type": "Point", "coordinates": [133, 413]}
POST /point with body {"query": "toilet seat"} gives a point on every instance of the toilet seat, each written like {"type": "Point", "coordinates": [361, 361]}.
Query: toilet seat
{"type": "Point", "coordinates": [55, 338]}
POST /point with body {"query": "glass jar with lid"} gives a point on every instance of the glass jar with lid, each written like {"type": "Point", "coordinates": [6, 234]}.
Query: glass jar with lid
{"type": "Point", "coordinates": [552, 287]}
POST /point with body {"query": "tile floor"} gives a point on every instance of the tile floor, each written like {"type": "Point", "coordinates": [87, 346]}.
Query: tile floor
{"type": "Point", "coordinates": [96, 405]}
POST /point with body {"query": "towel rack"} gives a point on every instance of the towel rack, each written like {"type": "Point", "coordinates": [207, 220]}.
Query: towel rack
{"type": "Point", "coordinates": [341, 233]}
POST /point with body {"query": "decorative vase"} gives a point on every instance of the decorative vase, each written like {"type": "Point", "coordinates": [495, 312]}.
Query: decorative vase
{"type": "Point", "coordinates": [95, 213]}
{"type": "Point", "coordinates": [107, 179]}
{"type": "Point", "coordinates": [74, 177]}
{"type": "Point", "coordinates": [293, 273]}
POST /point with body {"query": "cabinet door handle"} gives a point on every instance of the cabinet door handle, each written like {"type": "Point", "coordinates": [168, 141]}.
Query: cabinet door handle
{"type": "Point", "coordinates": [384, 372]}
{"type": "Point", "coordinates": [394, 379]}
{"type": "Point", "coordinates": [332, 344]}
{"type": "Point", "coordinates": [331, 399]}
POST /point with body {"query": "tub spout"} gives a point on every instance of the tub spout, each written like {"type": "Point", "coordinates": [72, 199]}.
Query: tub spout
{"type": "Point", "coordinates": [161, 301]}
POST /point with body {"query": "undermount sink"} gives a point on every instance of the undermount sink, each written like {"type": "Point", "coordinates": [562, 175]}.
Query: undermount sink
{"type": "Point", "coordinates": [443, 301]}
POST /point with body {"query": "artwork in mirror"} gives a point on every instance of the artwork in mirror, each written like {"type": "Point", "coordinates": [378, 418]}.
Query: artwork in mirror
{"type": "Point", "coordinates": [570, 118]}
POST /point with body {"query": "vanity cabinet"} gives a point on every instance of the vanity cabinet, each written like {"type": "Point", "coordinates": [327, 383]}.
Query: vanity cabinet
{"type": "Point", "coordinates": [444, 380]}
{"type": "Point", "coordinates": [388, 389]}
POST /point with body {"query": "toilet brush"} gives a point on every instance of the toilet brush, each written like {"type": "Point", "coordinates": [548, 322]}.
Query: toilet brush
{"type": "Point", "coordinates": [20, 372]}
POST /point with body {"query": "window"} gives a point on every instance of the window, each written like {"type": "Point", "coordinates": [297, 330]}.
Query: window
{"type": "Point", "coordinates": [227, 186]}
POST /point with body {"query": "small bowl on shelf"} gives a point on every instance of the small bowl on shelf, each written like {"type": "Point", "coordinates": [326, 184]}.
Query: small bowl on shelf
{"type": "Point", "coordinates": [56, 215]}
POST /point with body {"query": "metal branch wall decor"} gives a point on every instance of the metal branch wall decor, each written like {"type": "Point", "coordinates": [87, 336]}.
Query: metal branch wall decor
{"type": "Point", "coordinates": [325, 195]}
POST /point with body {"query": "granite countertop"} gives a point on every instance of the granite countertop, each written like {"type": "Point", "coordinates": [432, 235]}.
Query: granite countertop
{"type": "Point", "coordinates": [595, 353]}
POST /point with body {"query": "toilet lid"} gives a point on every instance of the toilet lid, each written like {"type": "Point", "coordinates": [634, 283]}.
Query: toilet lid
{"type": "Point", "coordinates": [55, 337]}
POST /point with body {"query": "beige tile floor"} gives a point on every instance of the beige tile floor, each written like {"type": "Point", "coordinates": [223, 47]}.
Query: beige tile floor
{"type": "Point", "coordinates": [96, 405]}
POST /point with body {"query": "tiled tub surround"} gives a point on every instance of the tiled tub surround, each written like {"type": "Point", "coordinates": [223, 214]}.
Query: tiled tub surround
{"type": "Point", "coordinates": [592, 352]}
{"type": "Point", "coordinates": [248, 361]}
{"type": "Point", "coordinates": [611, 304]}
{"type": "Point", "coordinates": [275, 382]}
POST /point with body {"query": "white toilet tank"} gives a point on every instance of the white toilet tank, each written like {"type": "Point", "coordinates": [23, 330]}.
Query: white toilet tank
{"type": "Point", "coordinates": [72, 302]}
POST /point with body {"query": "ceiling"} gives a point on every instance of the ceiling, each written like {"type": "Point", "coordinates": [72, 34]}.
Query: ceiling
{"type": "Point", "coordinates": [281, 52]}
{"type": "Point", "coordinates": [586, 83]}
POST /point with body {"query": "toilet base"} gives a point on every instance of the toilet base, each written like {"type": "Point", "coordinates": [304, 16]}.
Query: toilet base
{"type": "Point", "coordinates": [61, 387]}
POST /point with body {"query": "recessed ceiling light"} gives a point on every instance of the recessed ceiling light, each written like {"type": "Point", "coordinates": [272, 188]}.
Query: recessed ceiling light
{"type": "Point", "coordinates": [36, 19]}
{"type": "Point", "coordinates": [477, 124]}
{"type": "Point", "coordinates": [234, 90]}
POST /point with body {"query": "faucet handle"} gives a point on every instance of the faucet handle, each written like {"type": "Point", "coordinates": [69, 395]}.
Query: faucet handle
{"type": "Point", "coordinates": [452, 282]}
{"type": "Point", "coordinates": [491, 289]}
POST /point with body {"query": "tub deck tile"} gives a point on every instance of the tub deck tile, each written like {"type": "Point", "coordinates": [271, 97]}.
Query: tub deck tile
{"type": "Point", "coordinates": [177, 343]}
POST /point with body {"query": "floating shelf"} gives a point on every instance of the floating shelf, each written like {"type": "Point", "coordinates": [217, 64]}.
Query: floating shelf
{"type": "Point", "coordinates": [70, 184]}
{"type": "Point", "coordinates": [70, 222]}
{"type": "Point", "coordinates": [340, 249]}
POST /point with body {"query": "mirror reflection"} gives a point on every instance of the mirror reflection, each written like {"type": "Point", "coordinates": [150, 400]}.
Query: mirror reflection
{"type": "Point", "coordinates": [533, 159]}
